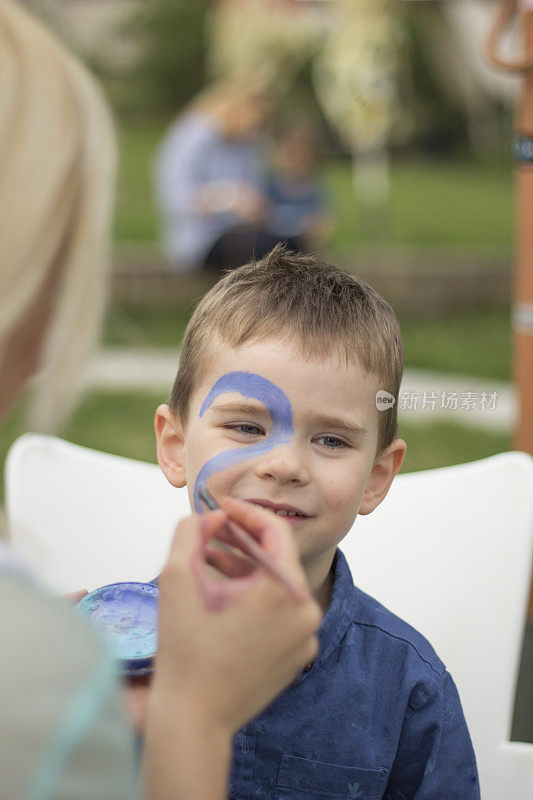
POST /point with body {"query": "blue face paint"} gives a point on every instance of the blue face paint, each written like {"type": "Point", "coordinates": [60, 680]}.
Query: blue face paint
{"type": "Point", "coordinates": [276, 402]}
{"type": "Point", "coordinates": [126, 615]}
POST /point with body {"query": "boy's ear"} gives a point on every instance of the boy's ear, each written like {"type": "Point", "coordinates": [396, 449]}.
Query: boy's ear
{"type": "Point", "coordinates": [170, 445]}
{"type": "Point", "coordinates": [386, 465]}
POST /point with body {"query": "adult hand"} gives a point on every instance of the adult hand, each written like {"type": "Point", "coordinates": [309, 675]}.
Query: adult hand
{"type": "Point", "coordinates": [238, 197]}
{"type": "Point", "coordinates": [250, 204]}
{"type": "Point", "coordinates": [220, 663]}
{"type": "Point", "coordinates": [75, 597]}
{"type": "Point", "coordinates": [233, 660]}
{"type": "Point", "coordinates": [136, 696]}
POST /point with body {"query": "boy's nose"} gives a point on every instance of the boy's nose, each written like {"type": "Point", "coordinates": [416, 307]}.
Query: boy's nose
{"type": "Point", "coordinates": [285, 464]}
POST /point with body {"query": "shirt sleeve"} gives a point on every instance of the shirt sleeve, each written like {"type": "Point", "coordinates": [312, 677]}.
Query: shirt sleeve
{"type": "Point", "coordinates": [435, 757]}
{"type": "Point", "coordinates": [63, 727]}
{"type": "Point", "coordinates": [178, 168]}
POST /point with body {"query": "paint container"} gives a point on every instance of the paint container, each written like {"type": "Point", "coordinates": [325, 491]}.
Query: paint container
{"type": "Point", "coordinates": [126, 616]}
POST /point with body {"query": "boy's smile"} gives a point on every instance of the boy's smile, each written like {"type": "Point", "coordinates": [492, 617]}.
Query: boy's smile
{"type": "Point", "coordinates": [295, 435]}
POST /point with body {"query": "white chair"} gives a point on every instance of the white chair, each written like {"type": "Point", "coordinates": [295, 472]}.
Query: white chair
{"type": "Point", "coordinates": [449, 550]}
{"type": "Point", "coordinates": [83, 518]}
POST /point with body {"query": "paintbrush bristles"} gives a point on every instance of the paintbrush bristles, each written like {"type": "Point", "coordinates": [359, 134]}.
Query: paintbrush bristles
{"type": "Point", "coordinates": [207, 498]}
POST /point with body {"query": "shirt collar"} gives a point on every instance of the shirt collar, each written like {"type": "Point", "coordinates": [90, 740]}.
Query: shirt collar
{"type": "Point", "coordinates": [339, 614]}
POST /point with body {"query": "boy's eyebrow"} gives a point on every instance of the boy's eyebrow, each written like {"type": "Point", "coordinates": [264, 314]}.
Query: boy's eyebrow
{"type": "Point", "coordinates": [236, 407]}
{"type": "Point", "coordinates": [340, 423]}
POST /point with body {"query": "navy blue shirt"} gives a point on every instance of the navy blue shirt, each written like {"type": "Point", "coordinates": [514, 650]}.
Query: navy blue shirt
{"type": "Point", "coordinates": [376, 716]}
{"type": "Point", "coordinates": [294, 205]}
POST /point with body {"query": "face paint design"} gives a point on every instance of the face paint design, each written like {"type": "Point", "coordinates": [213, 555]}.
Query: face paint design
{"type": "Point", "coordinates": [249, 385]}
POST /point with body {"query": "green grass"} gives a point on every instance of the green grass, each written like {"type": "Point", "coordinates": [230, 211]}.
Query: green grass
{"type": "Point", "coordinates": [142, 327]}
{"type": "Point", "coordinates": [433, 204]}
{"type": "Point", "coordinates": [453, 203]}
{"type": "Point", "coordinates": [122, 423]}
{"type": "Point", "coordinates": [476, 342]}
{"type": "Point", "coordinates": [135, 218]}
{"type": "Point", "coordinates": [117, 422]}
{"type": "Point", "coordinates": [442, 444]}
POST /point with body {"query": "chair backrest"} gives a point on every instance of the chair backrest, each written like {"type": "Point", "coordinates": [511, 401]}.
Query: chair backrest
{"type": "Point", "coordinates": [450, 551]}
{"type": "Point", "coordinates": [83, 518]}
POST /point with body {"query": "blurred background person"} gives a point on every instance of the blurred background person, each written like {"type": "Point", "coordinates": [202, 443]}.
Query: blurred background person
{"type": "Point", "coordinates": [298, 206]}
{"type": "Point", "coordinates": [209, 180]}
{"type": "Point", "coordinates": [63, 728]}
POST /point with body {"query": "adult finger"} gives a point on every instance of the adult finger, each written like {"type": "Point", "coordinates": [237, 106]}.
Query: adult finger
{"type": "Point", "coordinates": [273, 533]}
{"type": "Point", "coordinates": [228, 563]}
{"type": "Point", "coordinates": [75, 597]}
{"type": "Point", "coordinates": [192, 532]}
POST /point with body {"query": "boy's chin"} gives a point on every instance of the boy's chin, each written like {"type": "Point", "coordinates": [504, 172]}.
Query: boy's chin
{"type": "Point", "coordinates": [297, 522]}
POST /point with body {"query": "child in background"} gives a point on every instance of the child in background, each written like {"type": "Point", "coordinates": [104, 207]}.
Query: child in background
{"type": "Point", "coordinates": [208, 175]}
{"type": "Point", "coordinates": [298, 208]}
{"type": "Point", "coordinates": [275, 403]}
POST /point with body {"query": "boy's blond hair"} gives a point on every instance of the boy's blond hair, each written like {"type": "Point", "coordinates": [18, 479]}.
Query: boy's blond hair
{"type": "Point", "coordinates": [321, 308]}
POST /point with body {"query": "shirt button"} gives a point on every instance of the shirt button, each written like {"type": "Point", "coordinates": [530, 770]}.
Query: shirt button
{"type": "Point", "coordinates": [308, 667]}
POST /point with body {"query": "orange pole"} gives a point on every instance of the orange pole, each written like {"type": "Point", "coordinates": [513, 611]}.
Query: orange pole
{"type": "Point", "coordinates": [523, 289]}
{"type": "Point", "coordinates": [523, 278]}
{"type": "Point", "coordinates": [522, 316]}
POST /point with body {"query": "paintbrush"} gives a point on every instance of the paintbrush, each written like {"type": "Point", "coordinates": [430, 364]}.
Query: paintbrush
{"type": "Point", "coordinates": [252, 549]}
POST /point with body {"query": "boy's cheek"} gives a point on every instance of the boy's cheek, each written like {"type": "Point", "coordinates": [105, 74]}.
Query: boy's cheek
{"type": "Point", "coordinates": [345, 498]}
{"type": "Point", "coordinates": [220, 482]}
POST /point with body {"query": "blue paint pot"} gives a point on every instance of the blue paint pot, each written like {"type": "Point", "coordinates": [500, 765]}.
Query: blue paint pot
{"type": "Point", "coordinates": [126, 616]}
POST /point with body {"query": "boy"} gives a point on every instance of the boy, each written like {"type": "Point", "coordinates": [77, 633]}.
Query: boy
{"type": "Point", "coordinates": [275, 403]}
{"type": "Point", "coordinates": [298, 209]}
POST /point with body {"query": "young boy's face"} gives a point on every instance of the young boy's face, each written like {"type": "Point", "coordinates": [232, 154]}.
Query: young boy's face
{"type": "Point", "coordinates": [297, 436]}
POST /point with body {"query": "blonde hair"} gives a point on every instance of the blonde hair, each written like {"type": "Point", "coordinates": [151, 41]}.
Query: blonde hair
{"type": "Point", "coordinates": [56, 195]}
{"type": "Point", "coordinates": [326, 311]}
{"type": "Point", "coordinates": [223, 98]}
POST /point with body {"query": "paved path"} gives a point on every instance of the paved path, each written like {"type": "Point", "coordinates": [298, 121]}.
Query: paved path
{"type": "Point", "coordinates": [424, 396]}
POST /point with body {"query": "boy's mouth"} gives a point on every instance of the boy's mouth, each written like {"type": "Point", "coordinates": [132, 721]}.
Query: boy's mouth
{"type": "Point", "coordinates": [281, 509]}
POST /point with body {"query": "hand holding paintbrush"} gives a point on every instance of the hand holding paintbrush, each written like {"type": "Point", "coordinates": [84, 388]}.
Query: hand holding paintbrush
{"type": "Point", "coordinates": [235, 534]}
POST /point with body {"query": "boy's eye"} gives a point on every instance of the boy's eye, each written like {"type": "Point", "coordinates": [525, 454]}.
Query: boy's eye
{"type": "Point", "coordinates": [247, 428]}
{"type": "Point", "coordinates": [331, 442]}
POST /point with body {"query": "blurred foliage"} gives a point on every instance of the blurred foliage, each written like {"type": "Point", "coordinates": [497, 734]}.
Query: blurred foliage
{"type": "Point", "coordinates": [169, 71]}
{"type": "Point", "coordinates": [301, 102]}
{"type": "Point", "coordinates": [440, 122]}
{"type": "Point", "coordinates": [170, 39]}
{"type": "Point", "coordinates": [441, 125]}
